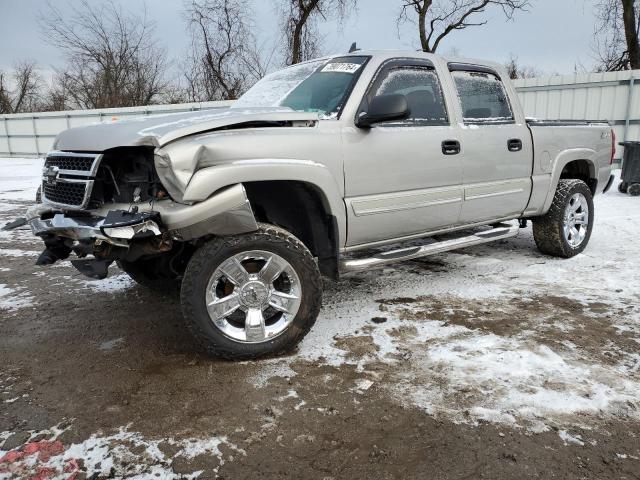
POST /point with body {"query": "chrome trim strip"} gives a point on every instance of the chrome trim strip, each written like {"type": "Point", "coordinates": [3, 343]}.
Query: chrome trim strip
{"type": "Point", "coordinates": [494, 194]}
{"type": "Point", "coordinates": [407, 206]}
{"type": "Point", "coordinates": [408, 200]}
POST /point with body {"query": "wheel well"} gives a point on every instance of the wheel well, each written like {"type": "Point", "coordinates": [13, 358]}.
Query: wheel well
{"type": "Point", "coordinates": [301, 209]}
{"type": "Point", "coordinates": [581, 170]}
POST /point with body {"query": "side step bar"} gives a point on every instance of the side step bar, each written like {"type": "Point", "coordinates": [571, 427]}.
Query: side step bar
{"type": "Point", "coordinates": [499, 232]}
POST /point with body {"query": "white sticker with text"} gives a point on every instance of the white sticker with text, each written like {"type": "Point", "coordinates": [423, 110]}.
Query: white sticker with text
{"type": "Point", "coordinates": [341, 67]}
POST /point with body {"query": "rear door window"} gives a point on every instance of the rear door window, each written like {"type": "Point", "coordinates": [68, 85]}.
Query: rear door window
{"type": "Point", "coordinates": [482, 97]}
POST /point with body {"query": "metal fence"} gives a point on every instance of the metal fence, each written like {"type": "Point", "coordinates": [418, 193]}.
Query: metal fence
{"type": "Point", "coordinates": [32, 134]}
{"type": "Point", "coordinates": [609, 96]}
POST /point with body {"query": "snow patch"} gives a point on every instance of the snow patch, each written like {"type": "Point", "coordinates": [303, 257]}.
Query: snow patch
{"type": "Point", "coordinates": [111, 344]}
{"type": "Point", "coordinates": [115, 284]}
{"type": "Point", "coordinates": [12, 299]}
{"type": "Point", "coordinates": [20, 178]}
{"type": "Point", "coordinates": [123, 454]}
{"type": "Point", "coordinates": [14, 252]}
{"type": "Point", "coordinates": [567, 438]}
{"type": "Point", "coordinates": [507, 380]}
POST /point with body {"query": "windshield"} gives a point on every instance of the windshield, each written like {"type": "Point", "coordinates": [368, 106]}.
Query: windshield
{"type": "Point", "coordinates": [318, 86]}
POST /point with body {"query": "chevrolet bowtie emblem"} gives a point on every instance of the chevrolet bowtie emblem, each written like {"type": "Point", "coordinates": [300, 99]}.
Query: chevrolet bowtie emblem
{"type": "Point", "coordinates": [51, 174]}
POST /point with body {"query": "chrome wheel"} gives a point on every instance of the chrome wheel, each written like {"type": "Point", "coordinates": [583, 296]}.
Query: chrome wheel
{"type": "Point", "coordinates": [576, 220]}
{"type": "Point", "coordinates": [253, 296]}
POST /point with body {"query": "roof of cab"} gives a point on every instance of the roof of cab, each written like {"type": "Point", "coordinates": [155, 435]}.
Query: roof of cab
{"type": "Point", "coordinates": [421, 54]}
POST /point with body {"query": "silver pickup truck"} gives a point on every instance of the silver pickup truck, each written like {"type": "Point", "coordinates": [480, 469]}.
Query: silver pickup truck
{"type": "Point", "coordinates": [245, 209]}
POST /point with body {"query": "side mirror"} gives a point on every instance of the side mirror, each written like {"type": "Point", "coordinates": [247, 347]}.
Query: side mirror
{"type": "Point", "coordinates": [384, 108]}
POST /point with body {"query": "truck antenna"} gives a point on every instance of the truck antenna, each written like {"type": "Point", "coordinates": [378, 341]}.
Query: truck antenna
{"type": "Point", "coordinates": [354, 47]}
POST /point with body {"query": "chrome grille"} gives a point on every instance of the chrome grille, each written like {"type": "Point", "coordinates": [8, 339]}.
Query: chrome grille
{"type": "Point", "coordinates": [82, 164]}
{"type": "Point", "coordinates": [65, 193]}
{"type": "Point", "coordinates": [67, 179]}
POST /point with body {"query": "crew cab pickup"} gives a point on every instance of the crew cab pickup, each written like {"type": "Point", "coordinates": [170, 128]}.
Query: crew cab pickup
{"type": "Point", "coordinates": [316, 171]}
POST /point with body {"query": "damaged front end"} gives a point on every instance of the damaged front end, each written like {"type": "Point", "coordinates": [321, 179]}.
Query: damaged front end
{"type": "Point", "coordinates": [113, 207]}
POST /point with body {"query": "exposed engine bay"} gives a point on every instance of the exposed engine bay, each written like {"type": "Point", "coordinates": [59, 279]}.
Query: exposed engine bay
{"type": "Point", "coordinates": [127, 175]}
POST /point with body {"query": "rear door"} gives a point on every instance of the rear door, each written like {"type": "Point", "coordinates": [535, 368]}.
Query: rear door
{"type": "Point", "coordinates": [399, 178]}
{"type": "Point", "coordinates": [496, 143]}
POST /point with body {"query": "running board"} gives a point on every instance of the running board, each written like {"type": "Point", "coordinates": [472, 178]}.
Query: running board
{"type": "Point", "coordinates": [500, 232]}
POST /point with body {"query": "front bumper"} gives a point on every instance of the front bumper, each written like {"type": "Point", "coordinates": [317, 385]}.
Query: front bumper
{"type": "Point", "coordinates": [226, 212]}
{"type": "Point", "coordinates": [98, 228]}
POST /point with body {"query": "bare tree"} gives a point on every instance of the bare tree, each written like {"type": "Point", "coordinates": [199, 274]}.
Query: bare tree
{"type": "Point", "coordinates": [112, 57]}
{"type": "Point", "coordinates": [517, 71]}
{"type": "Point", "coordinates": [437, 19]}
{"type": "Point", "coordinates": [225, 58]}
{"type": "Point", "coordinates": [21, 90]}
{"type": "Point", "coordinates": [617, 44]}
{"type": "Point", "coordinates": [56, 97]}
{"type": "Point", "coordinates": [299, 25]}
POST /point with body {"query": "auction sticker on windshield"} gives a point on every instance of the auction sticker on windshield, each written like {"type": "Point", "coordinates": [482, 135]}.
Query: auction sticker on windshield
{"type": "Point", "coordinates": [341, 67]}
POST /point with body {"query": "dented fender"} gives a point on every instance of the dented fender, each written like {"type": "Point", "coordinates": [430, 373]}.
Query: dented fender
{"type": "Point", "coordinates": [208, 180]}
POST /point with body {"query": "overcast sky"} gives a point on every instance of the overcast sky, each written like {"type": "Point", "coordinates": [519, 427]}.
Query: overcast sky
{"type": "Point", "coordinates": [552, 37]}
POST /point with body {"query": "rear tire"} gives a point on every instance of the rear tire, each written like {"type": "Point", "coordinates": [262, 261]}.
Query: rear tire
{"type": "Point", "coordinates": [634, 190]}
{"type": "Point", "coordinates": [566, 228]}
{"type": "Point", "coordinates": [251, 295]}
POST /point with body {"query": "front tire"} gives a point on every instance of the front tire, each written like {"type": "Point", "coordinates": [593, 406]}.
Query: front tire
{"type": "Point", "coordinates": [566, 228]}
{"type": "Point", "coordinates": [148, 274]}
{"type": "Point", "coordinates": [251, 295]}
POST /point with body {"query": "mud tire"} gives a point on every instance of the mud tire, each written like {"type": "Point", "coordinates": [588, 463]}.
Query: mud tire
{"type": "Point", "coordinates": [548, 229]}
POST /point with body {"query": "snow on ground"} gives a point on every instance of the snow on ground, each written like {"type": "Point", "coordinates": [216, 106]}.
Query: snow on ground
{"type": "Point", "coordinates": [20, 178]}
{"type": "Point", "coordinates": [449, 362]}
{"type": "Point", "coordinates": [123, 454]}
{"type": "Point", "coordinates": [113, 284]}
{"type": "Point", "coordinates": [16, 252]}
{"type": "Point", "coordinates": [496, 333]}
{"type": "Point", "coordinates": [12, 299]}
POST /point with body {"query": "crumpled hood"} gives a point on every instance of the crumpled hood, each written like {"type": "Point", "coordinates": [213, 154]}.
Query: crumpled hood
{"type": "Point", "coordinates": [158, 130]}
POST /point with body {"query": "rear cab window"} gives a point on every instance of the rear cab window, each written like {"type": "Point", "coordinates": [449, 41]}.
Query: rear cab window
{"type": "Point", "coordinates": [482, 97]}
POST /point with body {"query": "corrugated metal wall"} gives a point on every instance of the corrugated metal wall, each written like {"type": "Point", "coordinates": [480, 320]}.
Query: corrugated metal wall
{"type": "Point", "coordinates": [32, 134]}
{"type": "Point", "coordinates": [612, 96]}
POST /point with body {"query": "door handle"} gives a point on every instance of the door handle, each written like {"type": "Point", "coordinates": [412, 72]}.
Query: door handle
{"type": "Point", "coordinates": [514, 145]}
{"type": "Point", "coordinates": [451, 147]}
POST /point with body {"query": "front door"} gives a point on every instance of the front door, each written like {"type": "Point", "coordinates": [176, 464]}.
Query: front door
{"type": "Point", "coordinates": [403, 177]}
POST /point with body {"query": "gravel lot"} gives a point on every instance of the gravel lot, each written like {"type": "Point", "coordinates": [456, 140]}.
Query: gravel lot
{"type": "Point", "coordinates": [489, 362]}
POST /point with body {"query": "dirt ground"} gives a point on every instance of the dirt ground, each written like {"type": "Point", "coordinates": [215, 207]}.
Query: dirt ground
{"type": "Point", "coordinates": [102, 381]}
